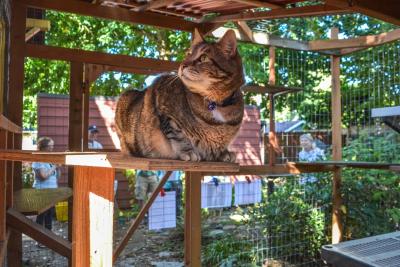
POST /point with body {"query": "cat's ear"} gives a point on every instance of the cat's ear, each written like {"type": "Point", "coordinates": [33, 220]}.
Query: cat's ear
{"type": "Point", "coordinates": [228, 43]}
{"type": "Point", "coordinates": [197, 37]}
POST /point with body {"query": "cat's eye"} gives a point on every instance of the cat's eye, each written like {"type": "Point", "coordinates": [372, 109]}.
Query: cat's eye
{"type": "Point", "coordinates": [204, 58]}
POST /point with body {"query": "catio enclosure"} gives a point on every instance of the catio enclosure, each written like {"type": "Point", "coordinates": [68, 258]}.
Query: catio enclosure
{"type": "Point", "coordinates": [344, 92]}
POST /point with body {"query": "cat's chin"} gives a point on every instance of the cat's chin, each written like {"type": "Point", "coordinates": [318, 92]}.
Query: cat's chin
{"type": "Point", "coordinates": [194, 87]}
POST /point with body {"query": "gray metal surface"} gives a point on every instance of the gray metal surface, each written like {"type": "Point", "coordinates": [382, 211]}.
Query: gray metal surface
{"type": "Point", "coordinates": [377, 251]}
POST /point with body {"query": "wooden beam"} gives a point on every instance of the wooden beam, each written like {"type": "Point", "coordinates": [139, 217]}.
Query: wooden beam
{"type": "Point", "coordinates": [155, 4]}
{"type": "Point", "coordinates": [337, 226]}
{"type": "Point", "coordinates": [114, 160]}
{"type": "Point", "coordinates": [93, 194]}
{"type": "Point", "coordinates": [359, 42]}
{"type": "Point", "coordinates": [306, 11]}
{"type": "Point", "coordinates": [36, 231]}
{"type": "Point", "coordinates": [32, 32]}
{"type": "Point", "coordinates": [347, 51]}
{"type": "Point", "coordinates": [113, 13]}
{"type": "Point", "coordinates": [116, 61]}
{"type": "Point", "coordinates": [386, 10]}
{"type": "Point", "coordinates": [192, 219]}
{"type": "Point", "coordinates": [75, 107]}
{"type": "Point", "coordinates": [42, 24]}
{"type": "Point", "coordinates": [245, 32]}
{"type": "Point", "coordinates": [395, 168]}
{"type": "Point", "coordinates": [273, 146]}
{"type": "Point", "coordinates": [7, 125]}
{"type": "Point", "coordinates": [270, 89]}
{"type": "Point", "coordinates": [131, 230]}
{"type": "Point", "coordinates": [3, 188]}
{"type": "Point", "coordinates": [262, 38]}
{"type": "Point", "coordinates": [259, 3]}
{"type": "Point", "coordinates": [3, 248]}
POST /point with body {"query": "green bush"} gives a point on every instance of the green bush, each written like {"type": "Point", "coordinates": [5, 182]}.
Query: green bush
{"type": "Point", "coordinates": [371, 195]}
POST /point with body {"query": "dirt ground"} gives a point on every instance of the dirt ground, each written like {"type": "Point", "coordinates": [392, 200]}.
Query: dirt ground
{"type": "Point", "coordinates": [146, 248]}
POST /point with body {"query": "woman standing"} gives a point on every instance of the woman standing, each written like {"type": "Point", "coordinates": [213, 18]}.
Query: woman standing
{"type": "Point", "coordinates": [45, 177]}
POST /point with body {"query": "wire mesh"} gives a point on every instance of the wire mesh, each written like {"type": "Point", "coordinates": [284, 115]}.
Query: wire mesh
{"type": "Point", "coordinates": [287, 228]}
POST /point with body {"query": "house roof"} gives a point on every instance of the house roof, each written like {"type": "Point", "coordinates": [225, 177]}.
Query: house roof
{"type": "Point", "coordinates": [285, 127]}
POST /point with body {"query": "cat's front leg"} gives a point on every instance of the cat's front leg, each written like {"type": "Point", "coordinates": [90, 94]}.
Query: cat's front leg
{"type": "Point", "coordinates": [227, 156]}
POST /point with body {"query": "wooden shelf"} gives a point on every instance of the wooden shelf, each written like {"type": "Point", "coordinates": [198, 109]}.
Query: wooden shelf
{"type": "Point", "coordinates": [120, 161]}
{"type": "Point", "coordinates": [351, 164]}
{"type": "Point", "coordinates": [115, 160]}
{"type": "Point", "coordinates": [31, 201]}
{"type": "Point", "coordinates": [295, 168]}
{"type": "Point", "coordinates": [270, 89]}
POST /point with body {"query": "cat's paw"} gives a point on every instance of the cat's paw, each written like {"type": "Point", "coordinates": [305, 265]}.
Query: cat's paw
{"type": "Point", "coordinates": [190, 156]}
{"type": "Point", "coordinates": [227, 156]}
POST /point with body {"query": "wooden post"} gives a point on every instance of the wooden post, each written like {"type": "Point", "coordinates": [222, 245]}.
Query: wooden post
{"type": "Point", "coordinates": [193, 219]}
{"type": "Point", "coordinates": [10, 171]}
{"type": "Point", "coordinates": [74, 129]}
{"type": "Point", "coordinates": [76, 107]}
{"type": "Point", "coordinates": [3, 189]}
{"type": "Point", "coordinates": [336, 145]}
{"type": "Point", "coordinates": [14, 111]}
{"type": "Point", "coordinates": [91, 73]}
{"type": "Point", "coordinates": [272, 134]}
{"type": "Point", "coordinates": [92, 230]}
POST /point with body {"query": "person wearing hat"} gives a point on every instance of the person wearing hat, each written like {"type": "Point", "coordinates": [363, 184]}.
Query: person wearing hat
{"type": "Point", "coordinates": [92, 137]}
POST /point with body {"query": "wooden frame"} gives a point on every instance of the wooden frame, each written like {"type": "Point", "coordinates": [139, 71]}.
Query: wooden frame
{"type": "Point", "coordinates": [89, 166]}
{"type": "Point", "coordinates": [359, 42]}
{"type": "Point", "coordinates": [337, 223]}
{"type": "Point", "coordinates": [386, 10]}
{"type": "Point", "coordinates": [114, 62]}
{"type": "Point", "coordinates": [306, 11]}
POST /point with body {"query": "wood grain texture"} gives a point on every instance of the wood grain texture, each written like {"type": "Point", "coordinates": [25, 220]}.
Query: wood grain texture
{"type": "Point", "coordinates": [305, 11]}
{"type": "Point", "coordinates": [118, 14]}
{"type": "Point", "coordinates": [3, 188]}
{"type": "Point", "coordinates": [14, 113]}
{"type": "Point", "coordinates": [192, 219]}
{"type": "Point", "coordinates": [19, 222]}
{"type": "Point", "coordinates": [114, 160]}
{"type": "Point", "coordinates": [87, 182]}
{"type": "Point", "coordinates": [358, 42]}
{"type": "Point", "coordinates": [135, 64]}
{"type": "Point", "coordinates": [9, 126]}
{"type": "Point", "coordinates": [270, 89]}
{"type": "Point", "coordinates": [337, 224]}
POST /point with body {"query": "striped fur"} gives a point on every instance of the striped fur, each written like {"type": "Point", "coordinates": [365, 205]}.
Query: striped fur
{"type": "Point", "coordinates": [171, 118]}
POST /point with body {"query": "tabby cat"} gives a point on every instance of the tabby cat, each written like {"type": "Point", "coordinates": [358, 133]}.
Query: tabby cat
{"type": "Point", "coordinates": [192, 116]}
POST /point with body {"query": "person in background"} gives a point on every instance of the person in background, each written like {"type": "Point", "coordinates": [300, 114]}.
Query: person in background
{"type": "Point", "coordinates": [46, 176]}
{"type": "Point", "coordinates": [174, 183]}
{"type": "Point", "coordinates": [309, 153]}
{"type": "Point", "coordinates": [94, 144]}
{"type": "Point", "coordinates": [92, 138]}
{"type": "Point", "coordinates": [146, 182]}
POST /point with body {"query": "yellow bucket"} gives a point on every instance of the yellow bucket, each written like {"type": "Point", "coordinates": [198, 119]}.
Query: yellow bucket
{"type": "Point", "coordinates": [62, 211]}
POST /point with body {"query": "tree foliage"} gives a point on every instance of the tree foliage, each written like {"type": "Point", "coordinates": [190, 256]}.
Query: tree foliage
{"type": "Point", "coordinates": [294, 68]}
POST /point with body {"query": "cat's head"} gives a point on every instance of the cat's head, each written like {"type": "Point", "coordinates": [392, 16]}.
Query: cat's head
{"type": "Point", "coordinates": [213, 70]}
